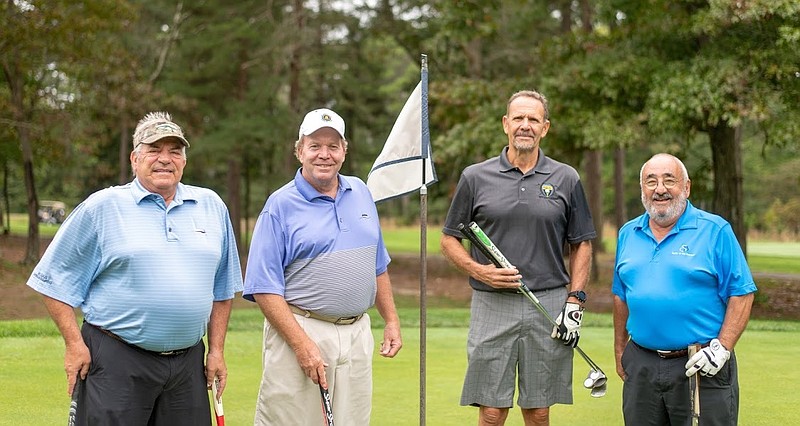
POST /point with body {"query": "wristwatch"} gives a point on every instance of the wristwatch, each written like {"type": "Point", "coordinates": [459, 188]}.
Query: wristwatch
{"type": "Point", "coordinates": [580, 295]}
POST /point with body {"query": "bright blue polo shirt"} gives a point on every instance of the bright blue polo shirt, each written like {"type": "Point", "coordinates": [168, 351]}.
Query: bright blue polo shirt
{"type": "Point", "coordinates": [143, 270]}
{"type": "Point", "coordinates": [321, 254]}
{"type": "Point", "coordinates": [677, 290]}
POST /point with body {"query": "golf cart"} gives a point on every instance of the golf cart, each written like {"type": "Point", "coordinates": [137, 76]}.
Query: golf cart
{"type": "Point", "coordinates": [52, 212]}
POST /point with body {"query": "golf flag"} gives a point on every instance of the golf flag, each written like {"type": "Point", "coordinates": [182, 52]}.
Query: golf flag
{"type": "Point", "coordinates": [406, 156]}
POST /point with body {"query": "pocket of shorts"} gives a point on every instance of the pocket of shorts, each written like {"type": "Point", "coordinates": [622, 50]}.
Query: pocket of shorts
{"type": "Point", "coordinates": [624, 357]}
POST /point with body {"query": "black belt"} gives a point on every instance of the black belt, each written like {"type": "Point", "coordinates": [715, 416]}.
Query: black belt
{"type": "Point", "coordinates": [667, 354]}
{"type": "Point", "coordinates": [333, 320]}
{"type": "Point", "coordinates": [164, 353]}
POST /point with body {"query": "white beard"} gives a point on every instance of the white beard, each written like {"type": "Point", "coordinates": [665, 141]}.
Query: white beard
{"type": "Point", "coordinates": [668, 215]}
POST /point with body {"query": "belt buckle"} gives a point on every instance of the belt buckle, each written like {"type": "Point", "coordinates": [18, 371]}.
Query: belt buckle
{"type": "Point", "coordinates": [167, 353]}
{"type": "Point", "coordinates": [663, 354]}
{"type": "Point", "coordinates": [345, 320]}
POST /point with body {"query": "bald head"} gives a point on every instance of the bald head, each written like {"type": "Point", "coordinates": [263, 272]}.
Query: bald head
{"type": "Point", "coordinates": [665, 187]}
{"type": "Point", "coordinates": [665, 158]}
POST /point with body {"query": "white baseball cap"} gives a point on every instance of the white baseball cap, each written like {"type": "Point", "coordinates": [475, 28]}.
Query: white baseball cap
{"type": "Point", "coordinates": [319, 118]}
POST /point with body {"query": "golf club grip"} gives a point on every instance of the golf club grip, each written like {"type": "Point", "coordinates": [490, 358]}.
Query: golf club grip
{"type": "Point", "coordinates": [73, 403]}
{"type": "Point", "coordinates": [467, 232]}
{"type": "Point", "coordinates": [218, 410]}
{"type": "Point", "coordinates": [479, 239]}
{"type": "Point", "coordinates": [496, 254]}
{"type": "Point", "coordinates": [327, 408]}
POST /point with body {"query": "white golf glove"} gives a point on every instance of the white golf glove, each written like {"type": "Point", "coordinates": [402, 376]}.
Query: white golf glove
{"type": "Point", "coordinates": [568, 324]}
{"type": "Point", "coordinates": [708, 360]}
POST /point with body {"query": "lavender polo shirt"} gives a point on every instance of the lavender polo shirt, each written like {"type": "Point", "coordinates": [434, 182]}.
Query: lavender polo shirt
{"type": "Point", "coordinates": [319, 253]}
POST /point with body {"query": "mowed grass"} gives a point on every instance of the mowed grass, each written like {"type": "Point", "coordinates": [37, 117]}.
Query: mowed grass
{"type": "Point", "coordinates": [31, 353]}
{"type": "Point", "coordinates": [774, 257]}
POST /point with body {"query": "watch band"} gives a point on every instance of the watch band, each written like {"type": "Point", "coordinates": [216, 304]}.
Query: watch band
{"type": "Point", "coordinates": [580, 295]}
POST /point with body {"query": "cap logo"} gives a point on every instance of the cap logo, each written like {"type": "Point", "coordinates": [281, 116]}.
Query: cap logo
{"type": "Point", "coordinates": [319, 118]}
{"type": "Point", "coordinates": [167, 128]}
{"type": "Point", "coordinates": [155, 126]}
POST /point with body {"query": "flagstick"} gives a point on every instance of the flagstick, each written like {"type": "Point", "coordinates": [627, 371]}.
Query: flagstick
{"type": "Point", "coordinates": [423, 267]}
{"type": "Point", "coordinates": [423, 241]}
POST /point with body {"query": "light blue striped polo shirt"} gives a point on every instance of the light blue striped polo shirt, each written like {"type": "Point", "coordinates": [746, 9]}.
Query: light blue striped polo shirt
{"type": "Point", "coordinates": [319, 253]}
{"type": "Point", "coordinates": [143, 270]}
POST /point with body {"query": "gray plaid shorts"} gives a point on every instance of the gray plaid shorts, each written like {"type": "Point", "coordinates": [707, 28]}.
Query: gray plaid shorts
{"type": "Point", "coordinates": [509, 343]}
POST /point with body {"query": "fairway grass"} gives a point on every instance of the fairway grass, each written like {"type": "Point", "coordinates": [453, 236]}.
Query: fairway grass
{"type": "Point", "coordinates": [35, 387]}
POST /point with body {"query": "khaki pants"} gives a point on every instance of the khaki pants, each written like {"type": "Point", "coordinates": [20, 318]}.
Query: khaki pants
{"type": "Point", "coordinates": [288, 397]}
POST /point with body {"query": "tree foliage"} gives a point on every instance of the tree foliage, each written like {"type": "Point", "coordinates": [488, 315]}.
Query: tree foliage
{"type": "Point", "coordinates": [697, 78]}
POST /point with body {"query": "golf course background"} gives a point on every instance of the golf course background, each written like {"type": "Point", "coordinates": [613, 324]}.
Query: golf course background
{"type": "Point", "coordinates": [31, 354]}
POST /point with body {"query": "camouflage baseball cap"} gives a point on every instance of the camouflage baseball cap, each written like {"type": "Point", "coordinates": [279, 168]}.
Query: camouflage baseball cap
{"type": "Point", "coordinates": [155, 126]}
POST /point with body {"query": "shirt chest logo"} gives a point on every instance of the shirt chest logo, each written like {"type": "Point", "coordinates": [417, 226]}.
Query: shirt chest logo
{"type": "Point", "coordinates": [683, 251]}
{"type": "Point", "coordinates": [547, 190]}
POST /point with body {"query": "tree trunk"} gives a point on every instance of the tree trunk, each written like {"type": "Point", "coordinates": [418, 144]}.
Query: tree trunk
{"type": "Point", "coordinates": [16, 85]}
{"type": "Point", "coordinates": [234, 201]}
{"type": "Point", "coordinates": [32, 250]}
{"type": "Point", "coordinates": [594, 193]}
{"type": "Point", "coordinates": [593, 160]}
{"type": "Point", "coordinates": [726, 155]}
{"type": "Point", "coordinates": [295, 63]}
{"type": "Point", "coordinates": [620, 211]}
{"type": "Point", "coordinates": [246, 206]}
{"type": "Point", "coordinates": [472, 51]}
{"type": "Point", "coordinates": [6, 220]}
{"type": "Point", "coordinates": [124, 157]}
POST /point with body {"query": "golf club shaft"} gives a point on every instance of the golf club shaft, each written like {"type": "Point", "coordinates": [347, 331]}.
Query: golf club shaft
{"type": "Point", "coordinates": [694, 390]}
{"type": "Point", "coordinates": [478, 238]}
{"type": "Point", "coordinates": [327, 408]}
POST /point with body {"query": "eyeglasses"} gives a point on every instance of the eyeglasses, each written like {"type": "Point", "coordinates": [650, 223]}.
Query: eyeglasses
{"type": "Point", "coordinates": [668, 183]}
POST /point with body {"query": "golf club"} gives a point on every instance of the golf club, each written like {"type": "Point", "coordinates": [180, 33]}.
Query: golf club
{"type": "Point", "coordinates": [694, 390]}
{"type": "Point", "coordinates": [597, 378]}
{"type": "Point", "coordinates": [217, 403]}
{"type": "Point", "coordinates": [73, 404]}
{"type": "Point", "coordinates": [599, 391]}
{"type": "Point", "coordinates": [327, 407]}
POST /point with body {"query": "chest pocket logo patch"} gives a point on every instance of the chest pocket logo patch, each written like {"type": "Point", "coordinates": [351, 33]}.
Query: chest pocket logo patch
{"type": "Point", "coordinates": [683, 251]}
{"type": "Point", "coordinates": [547, 190]}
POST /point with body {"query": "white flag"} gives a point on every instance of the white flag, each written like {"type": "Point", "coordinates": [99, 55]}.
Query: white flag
{"type": "Point", "coordinates": [398, 169]}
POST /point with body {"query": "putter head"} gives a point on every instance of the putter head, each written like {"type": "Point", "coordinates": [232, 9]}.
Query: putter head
{"type": "Point", "coordinates": [595, 379]}
{"type": "Point", "coordinates": [599, 391]}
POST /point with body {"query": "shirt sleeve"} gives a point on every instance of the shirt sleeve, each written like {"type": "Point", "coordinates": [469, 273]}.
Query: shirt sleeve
{"type": "Point", "coordinates": [580, 226]}
{"type": "Point", "coordinates": [71, 261]}
{"type": "Point", "coordinates": [267, 259]}
{"type": "Point", "coordinates": [617, 287]}
{"type": "Point", "coordinates": [228, 279]}
{"type": "Point", "coordinates": [460, 208]}
{"type": "Point", "coordinates": [733, 273]}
